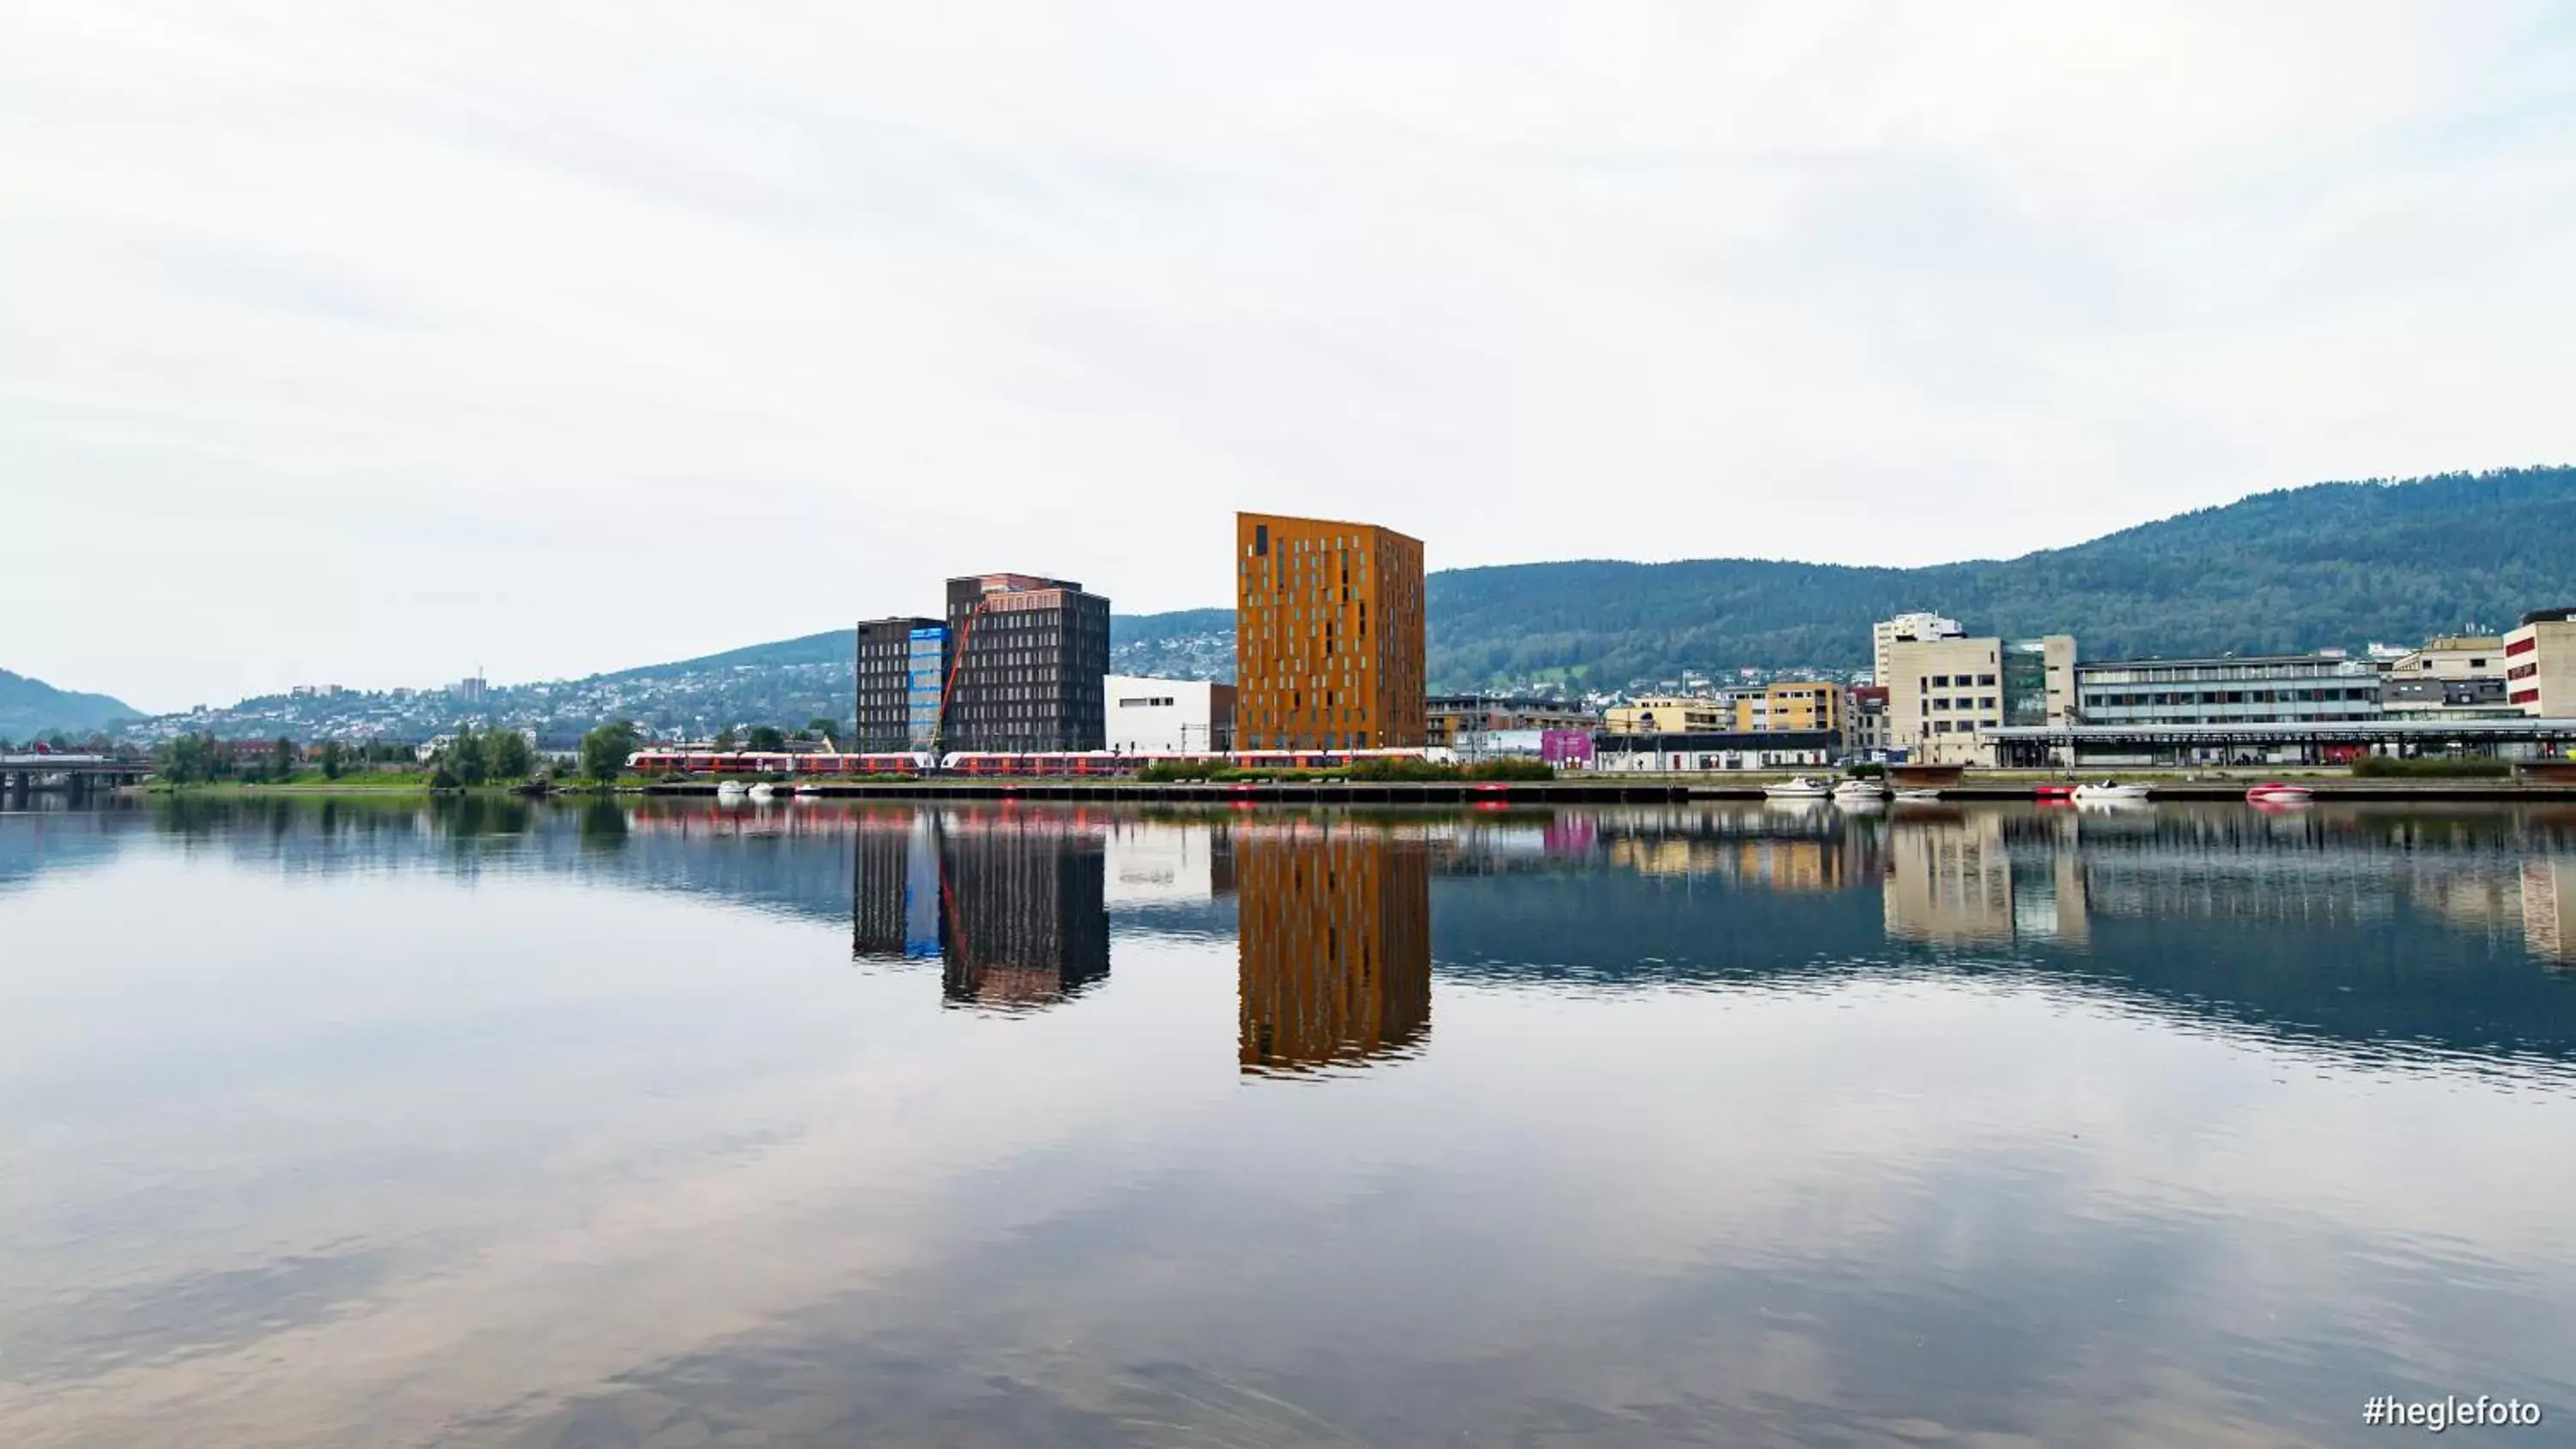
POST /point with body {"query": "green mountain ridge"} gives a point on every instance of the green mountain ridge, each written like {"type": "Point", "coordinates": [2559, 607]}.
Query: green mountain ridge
{"type": "Point", "coordinates": [30, 708]}
{"type": "Point", "coordinates": [2326, 565]}
{"type": "Point", "coordinates": [2330, 564]}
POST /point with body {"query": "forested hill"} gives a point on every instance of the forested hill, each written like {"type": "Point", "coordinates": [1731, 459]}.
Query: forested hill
{"type": "Point", "coordinates": [2332, 564]}
{"type": "Point", "coordinates": [30, 708]}
{"type": "Point", "coordinates": [2335, 564]}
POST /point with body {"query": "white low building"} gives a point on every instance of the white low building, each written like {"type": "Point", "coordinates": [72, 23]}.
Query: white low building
{"type": "Point", "coordinates": [1167, 716]}
{"type": "Point", "coordinates": [1715, 752]}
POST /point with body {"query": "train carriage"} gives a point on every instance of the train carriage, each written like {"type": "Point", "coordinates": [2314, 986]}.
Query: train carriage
{"type": "Point", "coordinates": [1037, 764]}
{"type": "Point", "coordinates": [809, 763]}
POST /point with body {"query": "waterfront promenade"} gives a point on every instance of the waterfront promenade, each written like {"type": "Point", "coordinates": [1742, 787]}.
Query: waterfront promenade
{"type": "Point", "coordinates": [1599, 789]}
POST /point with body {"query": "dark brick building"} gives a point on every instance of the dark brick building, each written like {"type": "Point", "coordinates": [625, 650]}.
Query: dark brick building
{"type": "Point", "coordinates": [1029, 655]}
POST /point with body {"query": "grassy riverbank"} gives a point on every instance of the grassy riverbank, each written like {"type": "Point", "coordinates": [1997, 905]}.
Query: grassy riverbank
{"type": "Point", "coordinates": [376, 782]}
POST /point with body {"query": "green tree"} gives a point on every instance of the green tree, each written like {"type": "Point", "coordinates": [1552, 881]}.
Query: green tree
{"type": "Point", "coordinates": [334, 758]}
{"type": "Point", "coordinates": [465, 758]}
{"type": "Point", "coordinates": [188, 760]}
{"type": "Point", "coordinates": [767, 737]}
{"type": "Point", "coordinates": [604, 750]}
{"type": "Point", "coordinates": [506, 754]}
{"type": "Point", "coordinates": [282, 759]}
{"type": "Point", "coordinates": [819, 728]}
{"type": "Point", "coordinates": [724, 738]}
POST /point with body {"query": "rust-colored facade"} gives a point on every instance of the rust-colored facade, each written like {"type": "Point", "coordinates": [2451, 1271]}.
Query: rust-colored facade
{"type": "Point", "coordinates": [1328, 642]}
{"type": "Point", "coordinates": [1334, 935]}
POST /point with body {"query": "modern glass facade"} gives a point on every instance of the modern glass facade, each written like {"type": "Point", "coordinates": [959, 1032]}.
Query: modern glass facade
{"type": "Point", "coordinates": [925, 675]}
{"type": "Point", "coordinates": [890, 662]}
{"type": "Point", "coordinates": [2025, 671]}
{"type": "Point", "coordinates": [2274, 689]}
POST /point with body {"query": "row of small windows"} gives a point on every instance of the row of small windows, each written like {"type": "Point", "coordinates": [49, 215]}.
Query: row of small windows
{"type": "Point", "coordinates": [2228, 696]}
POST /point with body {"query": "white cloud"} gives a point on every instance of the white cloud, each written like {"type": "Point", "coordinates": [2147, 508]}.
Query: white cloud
{"type": "Point", "coordinates": [367, 346]}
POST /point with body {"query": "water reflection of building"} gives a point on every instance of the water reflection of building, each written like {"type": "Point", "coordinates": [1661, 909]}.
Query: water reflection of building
{"type": "Point", "coordinates": [1152, 862]}
{"type": "Point", "coordinates": [1334, 944]}
{"type": "Point", "coordinates": [1011, 905]}
{"type": "Point", "coordinates": [2470, 902]}
{"type": "Point", "coordinates": [2549, 909]}
{"type": "Point", "coordinates": [1954, 881]}
{"type": "Point", "coordinates": [1026, 921]}
{"type": "Point", "coordinates": [894, 895]}
{"type": "Point", "coordinates": [1780, 865]}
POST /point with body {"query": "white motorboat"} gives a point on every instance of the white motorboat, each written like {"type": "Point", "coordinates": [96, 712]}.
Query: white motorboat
{"type": "Point", "coordinates": [731, 789]}
{"type": "Point", "coordinates": [2110, 790]}
{"type": "Point", "coordinates": [763, 791]}
{"type": "Point", "coordinates": [1859, 789]}
{"type": "Point", "coordinates": [1918, 795]}
{"type": "Point", "coordinates": [1801, 788]}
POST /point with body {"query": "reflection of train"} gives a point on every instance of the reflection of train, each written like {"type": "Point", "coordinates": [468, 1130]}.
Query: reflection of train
{"type": "Point", "coordinates": [989, 762]}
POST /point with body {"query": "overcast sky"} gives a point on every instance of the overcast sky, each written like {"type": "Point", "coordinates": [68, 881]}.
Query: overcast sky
{"type": "Point", "coordinates": [369, 342]}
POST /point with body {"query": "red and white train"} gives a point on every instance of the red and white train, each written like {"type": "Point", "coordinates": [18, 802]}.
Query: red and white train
{"type": "Point", "coordinates": [1044, 764]}
{"type": "Point", "coordinates": [777, 762]}
{"type": "Point", "coordinates": [1112, 762]}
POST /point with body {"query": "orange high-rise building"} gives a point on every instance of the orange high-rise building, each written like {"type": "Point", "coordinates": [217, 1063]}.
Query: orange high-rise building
{"type": "Point", "coordinates": [1327, 635]}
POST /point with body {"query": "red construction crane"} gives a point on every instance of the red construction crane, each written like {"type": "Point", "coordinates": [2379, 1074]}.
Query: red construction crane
{"type": "Point", "coordinates": [948, 688]}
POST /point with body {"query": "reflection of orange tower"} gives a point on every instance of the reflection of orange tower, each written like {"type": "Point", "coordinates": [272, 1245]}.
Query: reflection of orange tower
{"type": "Point", "coordinates": [1335, 944]}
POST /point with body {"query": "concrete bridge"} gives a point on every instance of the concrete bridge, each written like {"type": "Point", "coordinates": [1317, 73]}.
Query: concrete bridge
{"type": "Point", "coordinates": [21, 774]}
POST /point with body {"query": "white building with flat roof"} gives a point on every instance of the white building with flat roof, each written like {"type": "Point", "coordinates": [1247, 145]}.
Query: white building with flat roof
{"type": "Point", "coordinates": [1167, 716]}
{"type": "Point", "coordinates": [1915, 628]}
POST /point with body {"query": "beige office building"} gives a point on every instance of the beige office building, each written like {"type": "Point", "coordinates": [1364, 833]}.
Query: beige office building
{"type": "Point", "coordinates": [1671, 715]}
{"type": "Point", "coordinates": [1941, 693]}
{"type": "Point", "coordinates": [2452, 656]}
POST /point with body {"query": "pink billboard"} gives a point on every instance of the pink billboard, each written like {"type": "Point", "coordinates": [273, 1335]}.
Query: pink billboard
{"type": "Point", "coordinates": [1565, 747]}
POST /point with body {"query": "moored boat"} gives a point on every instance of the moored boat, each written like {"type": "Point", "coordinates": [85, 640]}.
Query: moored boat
{"type": "Point", "coordinates": [1802, 787]}
{"type": "Point", "coordinates": [1917, 796]}
{"type": "Point", "coordinates": [2273, 792]}
{"type": "Point", "coordinates": [2110, 790]}
{"type": "Point", "coordinates": [1858, 788]}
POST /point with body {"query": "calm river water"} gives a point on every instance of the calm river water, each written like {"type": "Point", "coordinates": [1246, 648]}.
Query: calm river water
{"type": "Point", "coordinates": [350, 1124]}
